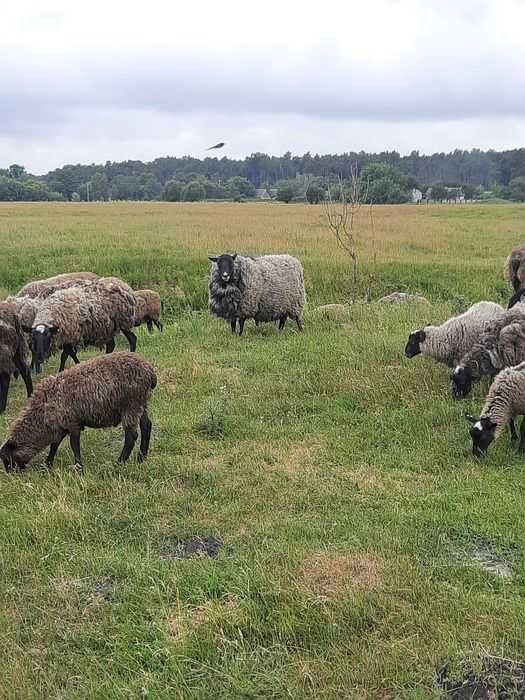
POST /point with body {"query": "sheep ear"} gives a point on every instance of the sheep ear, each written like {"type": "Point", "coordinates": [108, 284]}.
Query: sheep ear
{"type": "Point", "coordinates": [471, 419]}
{"type": "Point", "coordinates": [8, 447]}
{"type": "Point", "coordinates": [213, 258]}
{"type": "Point", "coordinates": [234, 256]}
{"type": "Point", "coordinates": [53, 330]}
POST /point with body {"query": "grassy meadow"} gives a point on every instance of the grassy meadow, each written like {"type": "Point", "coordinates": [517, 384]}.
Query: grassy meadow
{"type": "Point", "coordinates": [334, 471]}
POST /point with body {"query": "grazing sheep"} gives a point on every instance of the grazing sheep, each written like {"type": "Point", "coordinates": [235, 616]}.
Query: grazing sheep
{"type": "Point", "coordinates": [514, 269]}
{"type": "Point", "coordinates": [502, 344]}
{"type": "Point", "coordinates": [148, 309]}
{"type": "Point", "coordinates": [13, 349]}
{"type": "Point", "coordinates": [90, 314]}
{"type": "Point", "coordinates": [44, 288]}
{"type": "Point", "coordinates": [268, 288]}
{"type": "Point", "coordinates": [505, 401]}
{"type": "Point", "coordinates": [100, 393]}
{"type": "Point", "coordinates": [448, 342]}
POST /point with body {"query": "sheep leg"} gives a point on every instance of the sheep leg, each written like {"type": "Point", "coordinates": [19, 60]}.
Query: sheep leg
{"type": "Point", "coordinates": [132, 340]}
{"type": "Point", "coordinates": [512, 428]}
{"type": "Point", "coordinates": [130, 438]}
{"type": "Point", "coordinates": [74, 441]}
{"type": "Point", "coordinates": [145, 435]}
{"type": "Point", "coordinates": [159, 325]}
{"type": "Point", "coordinates": [149, 324]}
{"type": "Point", "coordinates": [110, 346]}
{"type": "Point", "coordinates": [282, 321]}
{"type": "Point", "coordinates": [5, 380]}
{"type": "Point", "coordinates": [241, 325]}
{"type": "Point", "coordinates": [521, 446]}
{"type": "Point", "coordinates": [25, 373]}
{"type": "Point", "coordinates": [233, 325]}
{"type": "Point", "coordinates": [73, 354]}
{"type": "Point", "coordinates": [299, 321]}
{"type": "Point", "coordinates": [53, 450]}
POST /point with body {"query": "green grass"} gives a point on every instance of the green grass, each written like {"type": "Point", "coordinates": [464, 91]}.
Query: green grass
{"type": "Point", "coordinates": [334, 471]}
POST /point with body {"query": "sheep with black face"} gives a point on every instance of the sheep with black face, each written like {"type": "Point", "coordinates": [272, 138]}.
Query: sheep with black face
{"type": "Point", "coordinates": [448, 342]}
{"type": "Point", "coordinates": [268, 288]}
{"type": "Point", "coordinates": [505, 401]}
{"type": "Point", "coordinates": [91, 314]}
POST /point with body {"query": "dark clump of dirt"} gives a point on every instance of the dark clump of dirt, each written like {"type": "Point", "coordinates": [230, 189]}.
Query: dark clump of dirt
{"type": "Point", "coordinates": [193, 547]}
{"type": "Point", "coordinates": [497, 679]}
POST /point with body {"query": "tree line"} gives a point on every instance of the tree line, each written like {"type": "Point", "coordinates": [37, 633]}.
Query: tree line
{"type": "Point", "coordinates": [390, 175]}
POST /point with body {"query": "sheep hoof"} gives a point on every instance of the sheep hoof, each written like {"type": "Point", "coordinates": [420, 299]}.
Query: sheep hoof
{"type": "Point", "coordinates": [141, 457]}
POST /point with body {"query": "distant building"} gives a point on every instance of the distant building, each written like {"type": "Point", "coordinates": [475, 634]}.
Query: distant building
{"type": "Point", "coordinates": [262, 193]}
{"type": "Point", "coordinates": [417, 196]}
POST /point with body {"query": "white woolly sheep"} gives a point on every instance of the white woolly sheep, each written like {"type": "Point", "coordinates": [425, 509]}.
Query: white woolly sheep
{"type": "Point", "coordinates": [505, 401]}
{"type": "Point", "coordinates": [267, 288]}
{"type": "Point", "coordinates": [449, 342]}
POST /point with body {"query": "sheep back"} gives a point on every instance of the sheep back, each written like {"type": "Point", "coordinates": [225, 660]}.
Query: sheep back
{"type": "Point", "coordinates": [148, 306]}
{"type": "Point", "coordinates": [46, 287]}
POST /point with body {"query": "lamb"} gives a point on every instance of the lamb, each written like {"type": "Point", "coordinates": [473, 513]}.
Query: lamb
{"type": "Point", "coordinates": [505, 401]}
{"type": "Point", "coordinates": [100, 393]}
{"type": "Point", "coordinates": [46, 287]}
{"type": "Point", "coordinates": [502, 344]}
{"type": "Point", "coordinates": [449, 342]}
{"type": "Point", "coordinates": [90, 314]}
{"type": "Point", "coordinates": [13, 349]}
{"type": "Point", "coordinates": [267, 288]}
{"type": "Point", "coordinates": [148, 309]}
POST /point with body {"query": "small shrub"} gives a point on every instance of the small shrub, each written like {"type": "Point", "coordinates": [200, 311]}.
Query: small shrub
{"type": "Point", "coordinates": [213, 422]}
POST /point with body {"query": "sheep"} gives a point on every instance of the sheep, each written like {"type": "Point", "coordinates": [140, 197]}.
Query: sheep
{"type": "Point", "coordinates": [148, 309]}
{"type": "Point", "coordinates": [100, 393]}
{"type": "Point", "coordinates": [90, 314]}
{"type": "Point", "coordinates": [505, 401]}
{"type": "Point", "coordinates": [267, 288]}
{"type": "Point", "coordinates": [13, 349]}
{"type": "Point", "coordinates": [26, 308]}
{"type": "Point", "coordinates": [502, 344]}
{"type": "Point", "coordinates": [46, 287]}
{"type": "Point", "coordinates": [448, 342]}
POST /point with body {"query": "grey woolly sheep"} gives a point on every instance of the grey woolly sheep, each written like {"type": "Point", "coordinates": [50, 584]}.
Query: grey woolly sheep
{"type": "Point", "coordinates": [502, 344]}
{"type": "Point", "coordinates": [267, 288]}
{"type": "Point", "coordinates": [448, 342]}
{"type": "Point", "coordinates": [505, 401]}
{"type": "Point", "coordinates": [13, 349]}
{"type": "Point", "coordinates": [90, 314]}
{"type": "Point", "coordinates": [46, 287]}
{"type": "Point", "coordinates": [148, 309]}
{"type": "Point", "coordinates": [100, 393]}
{"type": "Point", "coordinates": [514, 270]}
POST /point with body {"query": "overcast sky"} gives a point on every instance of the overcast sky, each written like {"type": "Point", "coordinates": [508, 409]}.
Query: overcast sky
{"type": "Point", "coordinates": [91, 81]}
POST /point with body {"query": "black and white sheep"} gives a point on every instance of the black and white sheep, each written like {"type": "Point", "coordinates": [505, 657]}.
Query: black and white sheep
{"type": "Point", "coordinates": [100, 393]}
{"type": "Point", "coordinates": [505, 401]}
{"type": "Point", "coordinates": [46, 287]}
{"type": "Point", "coordinates": [91, 314]}
{"type": "Point", "coordinates": [449, 342]}
{"type": "Point", "coordinates": [502, 344]}
{"type": "Point", "coordinates": [13, 350]}
{"type": "Point", "coordinates": [267, 288]}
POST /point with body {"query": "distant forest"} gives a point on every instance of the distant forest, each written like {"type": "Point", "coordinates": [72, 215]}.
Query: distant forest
{"type": "Point", "coordinates": [190, 179]}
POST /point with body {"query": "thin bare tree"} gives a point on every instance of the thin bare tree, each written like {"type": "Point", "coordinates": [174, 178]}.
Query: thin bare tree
{"type": "Point", "coordinates": [341, 208]}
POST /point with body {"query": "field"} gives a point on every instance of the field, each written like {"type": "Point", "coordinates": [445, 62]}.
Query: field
{"type": "Point", "coordinates": [356, 531]}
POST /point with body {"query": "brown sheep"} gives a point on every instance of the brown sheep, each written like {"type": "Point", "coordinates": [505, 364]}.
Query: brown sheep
{"type": "Point", "coordinates": [44, 288]}
{"type": "Point", "coordinates": [148, 309]}
{"type": "Point", "coordinates": [13, 349]}
{"type": "Point", "coordinates": [100, 393]}
{"type": "Point", "coordinates": [92, 313]}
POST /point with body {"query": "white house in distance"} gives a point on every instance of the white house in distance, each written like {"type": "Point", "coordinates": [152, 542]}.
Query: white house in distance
{"type": "Point", "coordinates": [262, 193]}
{"type": "Point", "coordinates": [417, 196]}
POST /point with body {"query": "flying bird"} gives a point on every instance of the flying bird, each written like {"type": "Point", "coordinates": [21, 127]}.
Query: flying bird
{"type": "Point", "coordinates": [217, 145]}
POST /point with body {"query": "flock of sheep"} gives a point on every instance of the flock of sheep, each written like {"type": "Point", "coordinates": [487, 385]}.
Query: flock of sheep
{"type": "Point", "coordinates": [77, 310]}
{"type": "Point", "coordinates": [486, 340]}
